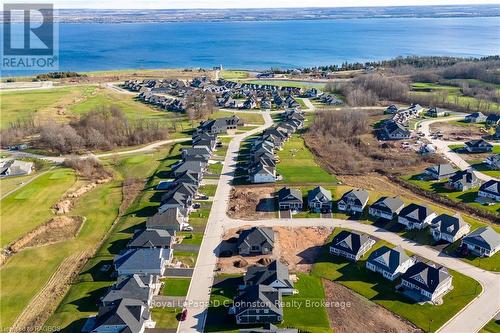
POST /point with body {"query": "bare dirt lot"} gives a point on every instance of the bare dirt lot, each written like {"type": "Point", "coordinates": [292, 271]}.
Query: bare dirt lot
{"type": "Point", "coordinates": [454, 132]}
{"type": "Point", "coordinates": [362, 315]}
{"type": "Point", "coordinates": [297, 247]}
{"type": "Point", "coordinates": [252, 203]}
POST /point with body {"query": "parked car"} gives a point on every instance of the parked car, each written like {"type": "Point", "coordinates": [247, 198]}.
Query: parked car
{"type": "Point", "coordinates": [188, 228]}
{"type": "Point", "coordinates": [184, 314]}
{"type": "Point", "coordinates": [196, 205]}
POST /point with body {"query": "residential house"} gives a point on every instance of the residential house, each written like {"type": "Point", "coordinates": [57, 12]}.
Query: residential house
{"type": "Point", "coordinates": [269, 328]}
{"type": "Point", "coordinates": [493, 119]}
{"type": "Point", "coordinates": [262, 174]}
{"type": "Point", "coordinates": [15, 168]}
{"type": "Point", "coordinates": [140, 287]}
{"type": "Point", "coordinates": [435, 112]}
{"type": "Point", "coordinates": [174, 199]}
{"type": "Point", "coordinates": [423, 281]}
{"type": "Point", "coordinates": [389, 262]}
{"type": "Point", "coordinates": [220, 125]}
{"type": "Point", "coordinates": [483, 241]}
{"type": "Point", "coordinates": [258, 304]}
{"type": "Point", "coordinates": [463, 180]}
{"type": "Point", "coordinates": [386, 208]}
{"type": "Point", "coordinates": [489, 191]}
{"type": "Point", "coordinates": [353, 202]}
{"type": "Point", "coordinates": [319, 199]}
{"type": "Point", "coordinates": [478, 146]}
{"type": "Point", "coordinates": [124, 315]}
{"type": "Point", "coordinates": [204, 140]}
{"type": "Point", "coordinates": [493, 161]}
{"type": "Point", "coordinates": [290, 199]}
{"type": "Point", "coordinates": [392, 130]}
{"type": "Point", "coordinates": [449, 228]}
{"type": "Point", "coordinates": [476, 117]}
{"type": "Point", "coordinates": [171, 219]}
{"type": "Point", "coordinates": [190, 166]}
{"type": "Point", "coordinates": [351, 245]}
{"type": "Point", "coordinates": [196, 154]}
{"type": "Point", "coordinates": [142, 261]}
{"type": "Point", "coordinates": [497, 132]}
{"type": "Point", "coordinates": [274, 275]}
{"type": "Point", "coordinates": [416, 216]}
{"type": "Point", "coordinates": [265, 103]}
{"type": "Point", "coordinates": [440, 171]}
{"type": "Point", "coordinates": [391, 109]}
{"type": "Point", "coordinates": [151, 238]}
{"type": "Point", "coordinates": [256, 241]}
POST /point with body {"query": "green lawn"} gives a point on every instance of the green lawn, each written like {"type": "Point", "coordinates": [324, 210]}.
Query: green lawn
{"type": "Point", "coordinates": [31, 205]}
{"type": "Point", "coordinates": [483, 168]}
{"type": "Point", "coordinates": [208, 190]}
{"type": "Point", "coordinates": [381, 291]}
{"type": "Point", "coordinates": [495, 150]}
{"type": "Point", "coordinates": [8, 184]}
{"type": "Point", "coordinates": [166, 317]}
{"type": "Point", "coordinates": [175, 286]}
{"type": "Point", "coordinates": [297, 164]}
{"type": "Point", "coordinates": [23, 105]}
{"type": "Point", "coordinates": [215, 168]}
{"type": "Point", "coordinates": [231, 75]}
{"type": "Point", "coordinates": [100, 207]}
{"type": "Point", "coordinates": [438, 187]}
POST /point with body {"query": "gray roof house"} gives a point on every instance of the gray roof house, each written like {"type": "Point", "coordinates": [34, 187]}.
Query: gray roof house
{"type": "Point", "coordinates": [463, 180]}
{"type": "Point", "coordinates": [191, 166]}
{"type": "Point", "coordinates": [262, 173]}
{"type": "Point", "coordinates": [150, 238]}
{"type": "Point", "coordinates": [290, 199]}
{"type": "Point", "coordinates": [386, 208]}
{"type": "Point", "coordinates": [493, 161]}
{"type": "Point", "coordinates": [275, 275]}
{"type": "Point", "coordinates": [319, 199]}
{"type": "Point", "coordinates": [256, 241]}
{"type": "Point", "coordinates": [440, 171]}
{"type": "Point", "coordinates": [489, 191]}
{"type": "Point", "coordinates": [483, 241]}
{"type": "Point", "coordinates": [269, 328]}
{"type": "Point", "coordinates": [201, 153]}
{"type": "Point", "coordinates": [392, 130]}
{"type": "Point", "coordinates": [258, 304]}
{"type": "Point", "coordinates": [123, 316]}
{"type": "Point", "coordinates": [478, 146]}
{"type": "Point", "coordinates": [143, 261]}
{"type": "Point", "coordinates": [416, 216]}
{"type": "Point", "coordinates": [351, 245]}
{"type": "Point", "coordinates": [476, 117]}
{"type": "Point", "coordinates": [389, 262]}
{"type": "Point", "coordinates": [15, 168]}
{"type": "Point", "coordinates": [220, 125]}
{"type": "Point", "coordinates": [449, 228]}
{"type": "Point", "coordinates": [353, 202]}
{"type": "Point", "coordinates": [493, 119]}
{"type": "Point", "coordinates": [172, 220]}
{"type": "Point", "coordinates": [139, 287]}
{"type": "Point", "coordinates": [425, 282]}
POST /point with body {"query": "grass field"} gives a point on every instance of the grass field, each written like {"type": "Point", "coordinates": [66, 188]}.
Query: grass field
{"type": "Point", "coordinates": [483, 168]}
{"type": "Point", "coordinates": [492, 327]}
{"type": "Point", "coordinates": [374, 287]}
{"type": "Point", "coordinates": [175, 286]}
{"type": "Point", "coordinates": [495, 150]}
{"type": "Point", "coordinates": [286, 83]}
{"type": "Point", "coordinates": [297, 164]}
{"type": "Point", "coordinates": [25, 105]}
{"type": "Point", "coordinates": [231, 75]}
{"type": "Point", "coordinates": [31, 205]}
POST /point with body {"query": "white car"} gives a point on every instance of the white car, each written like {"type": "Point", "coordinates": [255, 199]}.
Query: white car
{"type": "Point", "coordinates": [187, 228]}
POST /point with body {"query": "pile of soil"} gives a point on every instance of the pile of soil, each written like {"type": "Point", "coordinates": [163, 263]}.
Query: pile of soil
{"type": "Point", "coordinates": [251, 202]}
{"type": "Point", "coordinates": [55, 230]}
{"type": "Point", "coordinates": [356, 314]}
{"type": "Point", "coordinates": [240, 263]}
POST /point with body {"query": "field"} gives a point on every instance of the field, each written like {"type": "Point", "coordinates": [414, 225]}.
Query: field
{"type": "Point", "coordinates": [288, 83]}
{"type": "Point", "coordinates": [374, 287]}
{"type": "Point", "coordinates": [26, 105]}
{"type": "Point", "coordinates": [231, 75]}
{"type": "Point", "coordinates": [175, 287]}
{"type": "Point", "coordinates": [31, 205]}
{"type": "Point", "coordinates": [298, 166]}
{"type": "Point", "coordinates": [492, 327]}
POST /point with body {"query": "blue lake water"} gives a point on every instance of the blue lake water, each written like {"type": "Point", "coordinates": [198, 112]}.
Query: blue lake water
{"type": "Point", "coordinates": [260, 45]}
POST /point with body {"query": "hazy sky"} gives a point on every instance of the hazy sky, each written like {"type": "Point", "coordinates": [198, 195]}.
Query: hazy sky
{"type": "Point", "coordinates": [177, 4]}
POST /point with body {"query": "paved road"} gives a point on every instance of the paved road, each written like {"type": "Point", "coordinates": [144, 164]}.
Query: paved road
{"type": "Point", "coordinates": [443, 149]}
{"type": "Point", "coordinates": [203, 275]}
{"type": "Point", "coordinates": [471, 319]}
{"type": "Point", "coordinates": [61, 158]}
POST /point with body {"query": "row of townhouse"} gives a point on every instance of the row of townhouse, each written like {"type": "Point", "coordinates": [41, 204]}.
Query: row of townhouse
{"type": "Point", "coordinates": [262, 161]}
{"type": "Point", "coordinates": [443, 227]}
{"type": "Point", "coordinates": [396, 127]}
{"type": "Point", "coordinates": [419, 280]}
{"type": "Point", "coordinates": [126, 305]}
